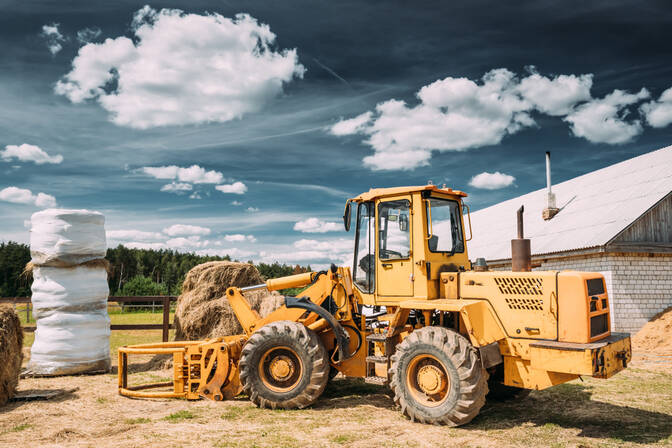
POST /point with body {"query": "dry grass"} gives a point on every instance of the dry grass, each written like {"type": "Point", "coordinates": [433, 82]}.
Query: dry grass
{"type": "Point", "coordinates": [633, 409]}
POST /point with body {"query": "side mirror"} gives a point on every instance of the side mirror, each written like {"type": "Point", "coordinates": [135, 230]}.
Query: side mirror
{"type": "Point", "coordinates": [465, 208]}
{"type": "Point", "coordinates": [347, 214]}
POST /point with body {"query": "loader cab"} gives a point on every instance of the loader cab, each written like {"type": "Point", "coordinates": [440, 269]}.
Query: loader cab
{"type": "Point", "coordinates": [404, 238]}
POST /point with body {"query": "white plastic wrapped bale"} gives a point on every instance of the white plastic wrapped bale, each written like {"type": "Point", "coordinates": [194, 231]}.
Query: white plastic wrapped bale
{"type": "Point", "coordinates": [61, 237]}
{"type": "Point", "coordinates": [73, 327]}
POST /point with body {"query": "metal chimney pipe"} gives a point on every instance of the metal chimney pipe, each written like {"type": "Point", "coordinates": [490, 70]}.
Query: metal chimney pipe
{"type": "Point", "coordinates": [521, 252]}
{"type": "Point", "coordinates": [550, 210]}
{"type": "Point", "coordinates": [548, 172]}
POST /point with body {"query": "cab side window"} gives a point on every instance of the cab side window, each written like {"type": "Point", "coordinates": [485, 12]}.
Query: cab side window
{"type": "Point", "coordinates": [394, 236]}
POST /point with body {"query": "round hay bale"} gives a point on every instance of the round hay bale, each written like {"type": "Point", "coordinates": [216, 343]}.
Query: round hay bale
{"type": "Point", "coordinates": [203, 310]}
{"type": "Point", "coordinates": [11, 354]}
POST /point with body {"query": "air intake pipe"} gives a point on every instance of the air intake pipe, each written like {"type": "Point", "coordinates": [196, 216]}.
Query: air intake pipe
{"type": "Point", "coordinates": [521, 253]}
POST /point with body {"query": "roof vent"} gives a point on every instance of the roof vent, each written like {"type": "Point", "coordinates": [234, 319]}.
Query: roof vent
{"type": "Point", "coordinates": [551, 210]}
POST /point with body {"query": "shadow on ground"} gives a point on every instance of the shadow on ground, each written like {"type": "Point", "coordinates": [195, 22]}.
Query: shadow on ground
{"type": "Point", "coordinates": [61, 395]}
{"type": "Point", "coordinates": [571, 406]}
{"type": "Point", "coordinates": [350, 392]}
{"type": "Point", "coordinates": [568, 406]}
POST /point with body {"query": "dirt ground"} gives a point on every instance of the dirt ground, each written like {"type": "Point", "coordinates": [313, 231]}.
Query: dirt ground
{"type": "Point", "coordinates": [634, 408]}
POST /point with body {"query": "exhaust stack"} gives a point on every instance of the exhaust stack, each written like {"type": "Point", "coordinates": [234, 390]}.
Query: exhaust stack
{"type": "Point", "coordinates": [521, 253]}
{"type": "Point", "coordinates": [551, 209]}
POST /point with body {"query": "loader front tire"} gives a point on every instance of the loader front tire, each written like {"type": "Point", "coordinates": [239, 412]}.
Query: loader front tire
{"type": "Point", "coordinates": [284, 365]}
{"type": "Point", "coordinates": [437, 378]}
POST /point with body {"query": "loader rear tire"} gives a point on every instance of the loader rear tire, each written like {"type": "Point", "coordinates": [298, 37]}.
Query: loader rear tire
{"type": "Point", "coordinates": [284, 365]}
{"type": "Point", "coordinates": [437, 378]}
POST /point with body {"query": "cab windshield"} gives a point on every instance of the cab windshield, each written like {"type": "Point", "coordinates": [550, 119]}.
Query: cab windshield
{"type": "Point", "coordinates": [444, 226]}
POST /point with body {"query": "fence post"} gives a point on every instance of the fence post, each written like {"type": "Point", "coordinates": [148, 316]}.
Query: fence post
{"type": "Point", "coordinates": [28, 311]}
{"type": "Point", "coordinates": [166, 317]}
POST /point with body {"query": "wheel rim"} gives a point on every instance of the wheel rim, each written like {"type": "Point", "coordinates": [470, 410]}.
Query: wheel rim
{"type": "Point", "coordinates": [427, 380]}
{"type": "Point", "coordinates": [280, 369]}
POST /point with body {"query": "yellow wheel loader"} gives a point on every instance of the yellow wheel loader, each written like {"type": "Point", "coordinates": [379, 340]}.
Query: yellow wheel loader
{"type": "Point", "coordinates": [414, 314]}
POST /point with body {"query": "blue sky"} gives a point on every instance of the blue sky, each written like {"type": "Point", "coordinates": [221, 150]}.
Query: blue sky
{"type": "Point", "coordinates": [257, 128]}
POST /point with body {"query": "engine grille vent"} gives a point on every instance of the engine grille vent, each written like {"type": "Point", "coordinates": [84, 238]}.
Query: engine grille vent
{"type": "Point", "coordinates": [525, 304]}
{"type": "Point", "coordinates": [599, 324]}
{"type": "Point", "coordinates": [530, 286]}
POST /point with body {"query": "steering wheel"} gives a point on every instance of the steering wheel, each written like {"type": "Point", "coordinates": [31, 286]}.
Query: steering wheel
{"type": "Point", "coordinates": [366, 263]}
{"type": "Point", "coordinates": [387, 253]}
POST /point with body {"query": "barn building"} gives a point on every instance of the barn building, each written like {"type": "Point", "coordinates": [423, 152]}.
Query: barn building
{"type": "Point", "coordinates": [616, 221]}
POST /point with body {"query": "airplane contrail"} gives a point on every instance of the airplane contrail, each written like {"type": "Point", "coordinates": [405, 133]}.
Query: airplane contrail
{"type": "Point", "coordinates": [336, 75]}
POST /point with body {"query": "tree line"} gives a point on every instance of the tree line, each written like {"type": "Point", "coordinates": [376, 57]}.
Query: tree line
{"type": "Point", "coordinates": [134, 272]}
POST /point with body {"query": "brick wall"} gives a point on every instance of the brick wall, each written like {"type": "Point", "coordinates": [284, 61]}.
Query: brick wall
{"type": "Point", "coordinates": [639, 285]}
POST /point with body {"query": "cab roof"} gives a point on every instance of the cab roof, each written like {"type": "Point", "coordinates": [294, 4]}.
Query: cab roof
{"type": "Point", "coordinates": [381, 192]}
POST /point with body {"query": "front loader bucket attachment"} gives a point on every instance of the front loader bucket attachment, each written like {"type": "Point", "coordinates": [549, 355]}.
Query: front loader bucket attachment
{"type": "Point", "coordinates": [201, 369]}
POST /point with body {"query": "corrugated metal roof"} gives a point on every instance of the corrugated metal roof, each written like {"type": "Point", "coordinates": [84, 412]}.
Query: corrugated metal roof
{"type": "Point", "coordinates": [594, 208]}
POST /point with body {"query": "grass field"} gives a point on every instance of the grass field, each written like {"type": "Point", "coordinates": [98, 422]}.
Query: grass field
{"type": "Point", "coordinates": [632, 409]}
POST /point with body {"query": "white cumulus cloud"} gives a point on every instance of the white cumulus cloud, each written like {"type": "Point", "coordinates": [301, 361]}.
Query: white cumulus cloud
{"type": "Point", "coordinates": [134, 235]}
{"type": "Point", "coordinates": [235, 188]}
{"type": "Point", "coordinates": [453, 114]}
{"type": "Point", "coordinates": [177, 187]}
{"type": "Point", "coordinates": [87, 35]}
{"type": "Point", "coordinates": [185, 230]}
{"type": "Point", "coordinates": [315, 225]}
{"type": "Point", "coordinates": [239, 238]}
{"type": "Point", "coordinates": [182, 69]}
{"type": "Point", "coordinates": [659, 113]}
{"type": "Point", "coordinates": [44, 200]}
{"type": "Point", "coordinates": [29, 153]}
{"type": "Point", "coordinates": [457, 114]}
{"type": "Point", "coordinates": [53, 37]}
{"type": "Point", "coordinates": [193, 174]}
{"type": "Point", "coordinates": [491, 181]}
{"type": "Point", "coordinates": [24, 196]}
{"type": "Point", "coordinates": [556, 96]}
{"type": "Point", "coordinates": [352, 125]}
{"type": "Point", "coordinates": [605, 120]}
{"type": "Point", "coordinates": [191, 242]}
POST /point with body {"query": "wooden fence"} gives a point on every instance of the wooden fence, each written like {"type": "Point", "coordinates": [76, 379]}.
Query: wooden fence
{"type": "Point", "coordinates": [165, 326]}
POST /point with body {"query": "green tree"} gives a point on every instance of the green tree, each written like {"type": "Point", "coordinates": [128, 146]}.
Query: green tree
{"type": "Point", "coordinates": [13, 259]}
{"type": "Point", "coordinates": [143, 286]}
{"type": "Point", "coordinates": [164, 268]}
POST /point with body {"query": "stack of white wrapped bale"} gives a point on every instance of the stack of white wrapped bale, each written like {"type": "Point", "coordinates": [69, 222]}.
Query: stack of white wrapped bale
{"type": "Point", "coordinates": [69, 293]}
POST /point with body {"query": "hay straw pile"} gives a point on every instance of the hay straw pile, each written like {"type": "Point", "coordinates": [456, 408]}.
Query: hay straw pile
{"type": "Point", "coordinates": [203, 310]}
{"type": "Point", "coordinates": [11, 342]}
{"type": "Point", "coordinates": [656, 335]}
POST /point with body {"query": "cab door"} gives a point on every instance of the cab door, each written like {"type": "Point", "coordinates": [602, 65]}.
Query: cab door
{"type": "Point", "coordinates": [394, 259]}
